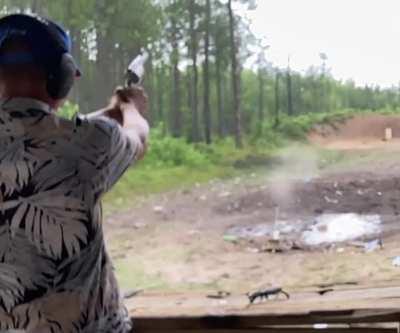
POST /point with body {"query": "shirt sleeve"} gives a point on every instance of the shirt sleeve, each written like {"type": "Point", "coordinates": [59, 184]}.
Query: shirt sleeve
{"type": "Point", "coordinates": [106, 148]}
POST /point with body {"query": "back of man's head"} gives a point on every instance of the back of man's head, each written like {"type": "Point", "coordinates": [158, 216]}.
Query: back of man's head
{"type": "Point", "coordinates": [22, 77]}
{"type": "Point", "coordinates": [35, 59]}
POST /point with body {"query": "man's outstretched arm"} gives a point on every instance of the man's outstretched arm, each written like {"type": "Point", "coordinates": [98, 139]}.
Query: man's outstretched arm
{"type": "Point", "coordinates": [128, 107]}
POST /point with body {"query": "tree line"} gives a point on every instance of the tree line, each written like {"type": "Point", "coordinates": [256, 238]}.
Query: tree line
{"type": "Point", "coordinates": [208, 76]}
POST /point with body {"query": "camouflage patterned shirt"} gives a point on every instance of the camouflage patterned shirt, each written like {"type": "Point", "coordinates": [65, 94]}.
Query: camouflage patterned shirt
{"type": "Point", "coordinates": [55, 273]}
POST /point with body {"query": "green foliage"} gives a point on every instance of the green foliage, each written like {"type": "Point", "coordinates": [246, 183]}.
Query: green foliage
{"type": "Point", "coordinates": [68, 110]}
{"type": "Point", "coordinates": [166, 151]}
{"type": "Point", "coordinates": [297, 128]}
{"type": "Point", "coordinates": [267, 135]}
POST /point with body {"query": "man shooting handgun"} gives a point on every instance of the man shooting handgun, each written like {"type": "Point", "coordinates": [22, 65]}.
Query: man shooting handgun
{"type": "Point", "coordinates": [55, 273]}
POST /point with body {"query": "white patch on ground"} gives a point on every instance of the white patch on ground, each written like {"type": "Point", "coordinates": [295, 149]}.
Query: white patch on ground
{"type": "Point", "coordinates": [334, 228]}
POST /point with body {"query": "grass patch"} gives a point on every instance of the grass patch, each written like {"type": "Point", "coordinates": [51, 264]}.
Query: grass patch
{"type": "Point", "coordinates": [173, 163]}
{"type": "Point", "coordinates": [326, 158]}
{"type": "Point", "coordinates": [145, 180]}
{"type": "Point", "coordinates": [132, 275]}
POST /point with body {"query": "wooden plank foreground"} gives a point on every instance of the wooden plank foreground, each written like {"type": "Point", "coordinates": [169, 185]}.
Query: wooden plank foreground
{"type": "Point", "coordinates": [283, 330]}
{"type": "Point", "coordinates": [343, 308]}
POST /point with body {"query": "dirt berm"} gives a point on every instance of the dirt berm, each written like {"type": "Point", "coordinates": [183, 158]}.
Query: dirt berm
{"type": "Point", "coordinates": [360, 128]}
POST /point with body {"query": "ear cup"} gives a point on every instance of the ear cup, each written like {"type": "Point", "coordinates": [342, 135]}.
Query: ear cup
{"type": "Point", "coordinates": [60, 79]}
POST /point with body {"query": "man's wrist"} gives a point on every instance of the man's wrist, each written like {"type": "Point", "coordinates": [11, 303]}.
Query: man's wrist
{"type": "Point", "coordinates": [112, 113]}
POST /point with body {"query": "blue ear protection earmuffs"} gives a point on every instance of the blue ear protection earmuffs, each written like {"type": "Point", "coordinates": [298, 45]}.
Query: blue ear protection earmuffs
{"type": "Point", "coordinates": [60, 78]}
{"type": "Point", "coordinates": [50, 46]}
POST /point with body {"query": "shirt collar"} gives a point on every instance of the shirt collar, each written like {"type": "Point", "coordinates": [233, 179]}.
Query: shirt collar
{"type": "Point", "coordinates": [24, 103]}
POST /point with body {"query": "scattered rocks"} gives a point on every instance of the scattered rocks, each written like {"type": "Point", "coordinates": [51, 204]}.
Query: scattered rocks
{"type": "Point", "coordinates": [230, 238]}
{"type": "Point", "coordinates": [396, 261]}
{"type": "Point", "coordinates": [329, 200]}
{"type": "Point", "coordinates": [139, 225]}
{"type": "Point", "coordinates": [159, 209]}
{"type": "Point", "coordinates": [224, 194]}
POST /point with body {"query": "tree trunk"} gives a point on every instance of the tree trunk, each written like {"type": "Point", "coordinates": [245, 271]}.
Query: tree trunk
{"type": "Point", "coordinates": [219, 49]}
{"type": "Point", "coordinates": [149, 85]}
{"type": "Point", "coordinates": [75, 35]}
{"type": "Point", "coordinates": [189, 95]}
{"type": "Point", "coordinates": [76, 53]}
{"type": "Point", "coordinates": [289, 92]}
{"type": "Point", "coordinates": [104, 65]}
{"type": "Point", "coordinates": [219, 83]}
{"type": "Point", "coordinates": [235, 78]}
{"type": "Point", "coordinates": [195, 137]}
{"type": "Point", "coordinates": [104, 59]}
{"type": "Point", "coordinates": [176, 98]}
{"type": "Point", "coordinates": [207, 111]}
{"type": "Point", "coordinates": [277, 104]}
{"type": "Point", "coordinates": [261, 86]}
{"type": "Point", "coordinates": [160, 97]}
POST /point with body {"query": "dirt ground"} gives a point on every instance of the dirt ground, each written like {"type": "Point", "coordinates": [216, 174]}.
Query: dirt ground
{"type": "Point", "coordinates": [183, 240]}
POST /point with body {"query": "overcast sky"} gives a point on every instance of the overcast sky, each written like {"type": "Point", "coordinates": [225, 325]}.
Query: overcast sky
{"type": "Point", "coordinates": [360, 37]}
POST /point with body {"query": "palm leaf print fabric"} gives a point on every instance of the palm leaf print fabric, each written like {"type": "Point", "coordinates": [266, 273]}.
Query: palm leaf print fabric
{"type": "Point", "coordinates": [55, 273]}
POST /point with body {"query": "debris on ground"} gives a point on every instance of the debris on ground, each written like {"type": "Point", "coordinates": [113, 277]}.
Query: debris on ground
{"type": "Point", "coordinates": [279, 246]}
{"type": "Point", "coordinates": [324, 291]}
{"type": "Point", "coordinates": [329, 228]}
{"type": "Point", "coordinates": [373, 245]}
{"type": "Point", "coordinates": [396, 261]}
{"type": "Point", "coordinates": [203, 198]}
{"type": "Point", "coordinates": [158, 209]}
{"type": "Point", "coordinates": [368, 246]}
{"type": "Point", "coordinates": [132, 293]}
{"type": "Point", "coordinates": [329, 200]}
{"type": "Point", "coordinates": [224, 194]}
{"type": "Point", "coordinates": [219, 295]}
{"type": "Point", "coordinates": [230, 238]}
{"type": "Point", "coordinates": [266, 294]}
{"type": "Point", "coordinates": [253, 250]}
{"type": "Point", "coordinates": [237, 180]}
{"type": "Point", "coordinates": [139, 225]}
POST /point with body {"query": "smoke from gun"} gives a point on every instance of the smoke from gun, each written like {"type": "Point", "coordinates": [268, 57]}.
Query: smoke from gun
{"type": "Point", "coordinates": [136, 69]}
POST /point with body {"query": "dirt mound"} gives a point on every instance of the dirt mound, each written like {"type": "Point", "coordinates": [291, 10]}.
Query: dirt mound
{"type": "Point", "coordinates": [361, 131]}
{"type": "Point", "coordinates": [365, 195]}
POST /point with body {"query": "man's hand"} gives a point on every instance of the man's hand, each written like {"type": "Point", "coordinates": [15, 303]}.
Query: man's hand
{"type": "Point", "coordinates": [135, 95]}
{"type": "Point", "coordinates": [128, 106]}
{"type": "Point", "coordinates": [133, 106]}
